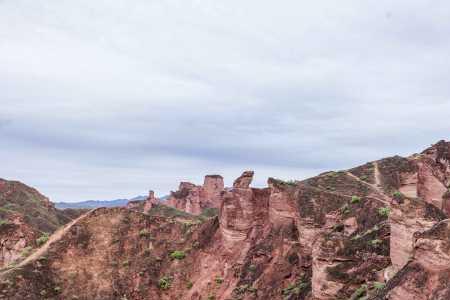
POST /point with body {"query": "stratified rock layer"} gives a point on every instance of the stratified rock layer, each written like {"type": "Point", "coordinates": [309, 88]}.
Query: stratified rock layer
{"type": "Point", "coordinates": [339, 235]}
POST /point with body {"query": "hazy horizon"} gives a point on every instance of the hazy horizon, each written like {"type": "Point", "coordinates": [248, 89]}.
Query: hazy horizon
{"type": "Point", "coordinates": [108, 99]}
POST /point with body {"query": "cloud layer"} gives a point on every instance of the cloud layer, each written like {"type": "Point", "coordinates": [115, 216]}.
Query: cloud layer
{"type": "Point", "coordinates": [106, 99]}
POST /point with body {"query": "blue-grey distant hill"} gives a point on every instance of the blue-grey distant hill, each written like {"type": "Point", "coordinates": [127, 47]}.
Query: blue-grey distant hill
{"type": "Point", "coordinates": [97, 203]}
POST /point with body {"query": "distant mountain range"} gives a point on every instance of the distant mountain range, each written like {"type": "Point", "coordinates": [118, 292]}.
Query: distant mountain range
{"type": "Point", "coordinates": [97, 203]}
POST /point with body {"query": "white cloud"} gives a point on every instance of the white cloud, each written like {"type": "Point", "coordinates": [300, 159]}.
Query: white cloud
{"type": "Point", "coordinates": [105, 98]}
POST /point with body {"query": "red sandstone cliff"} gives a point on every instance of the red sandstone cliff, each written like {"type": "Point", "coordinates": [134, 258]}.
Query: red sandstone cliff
{"type": "Point", "coordinates": [194, 199]}
{"type": "Point", "coordinates": [377, 231]}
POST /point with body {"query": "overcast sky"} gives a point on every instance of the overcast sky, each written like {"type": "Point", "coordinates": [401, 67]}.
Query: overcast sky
{"type": "Point", "coordinates": [106, 99]}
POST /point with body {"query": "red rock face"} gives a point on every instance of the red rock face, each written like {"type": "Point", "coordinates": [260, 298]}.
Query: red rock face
{"type": "Point", "coordinates": [194, 199]}
{"type": "Point", "coordinates": [338, 235]}
{"type": "Point", "coordinates": [244, 180]}
{"type": "Point", "coordinates": [150, 202]}
{"type": "Point", "coordinates": [434, 173]}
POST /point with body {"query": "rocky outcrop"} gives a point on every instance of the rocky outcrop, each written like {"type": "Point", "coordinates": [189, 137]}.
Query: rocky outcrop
{"type": "Point", "coordinates": [244, 180]}
{"type": "Point", "coordinates": [426, 275]}
{"type": "Point", "coordinates": [150, 202]}
{"type": "Point", "coordinates": [194, 199]}
{"type": "Point", "coordinates": [410, 217]}
{"type": "Point", "coordinates": [17, 239]}
{"type": "Point", "coordinates": [25, 215]}
{"type": "Point", "coordinates": [212, 187]}
{"type": "Point", "coordinates": [339, 235]}
{"type": "Point", "coordinates": [282, 206]}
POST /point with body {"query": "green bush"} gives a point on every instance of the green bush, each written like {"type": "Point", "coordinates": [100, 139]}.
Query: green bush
{"type": "Point", "coordinates": [26, 251]}
{"type": "Point", "coordinates": [384, 211]}
{"type": "Point", "coordinates": [3, 222]}
{"type": "Point", "coordinates": [397, 195]}
{"type": "Point", "coordinates": [379, 285]}
{"type": "Point", "coordinates": [361, 291]}
{"type": "Point", "coordinates": [218, 280]}
{"type": "Point", "coordinates": [42, 239]}
{"type": "Point", "coordinates": [189, 285]}
{"type": "Point", "coordinates": [375, 242]}
{"type": "Point", "coordinates": [355, 199]}
{"type": "Point", "coordinates": [144, 233]}
{"type": "Point", "coordinates": [165, 283]}
{"type": "Point", "coordinates": [177, 255]}
{"type": "Point", "coordinates": [295, 288]}
{"type": "Point", "coordinates": [345, 209]}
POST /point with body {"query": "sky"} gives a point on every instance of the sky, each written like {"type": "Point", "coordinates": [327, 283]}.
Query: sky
{"type": "Point", "coordinates": [107, 99]}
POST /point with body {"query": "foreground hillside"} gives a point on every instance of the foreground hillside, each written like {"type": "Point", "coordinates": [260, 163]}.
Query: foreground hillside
{"type": "Point", "coordinates": [26, 219]}
{"type": "Point", "coordinates": [377, 231]}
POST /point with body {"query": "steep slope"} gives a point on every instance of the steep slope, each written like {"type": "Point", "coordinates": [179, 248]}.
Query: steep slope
{"type": "Point", "coordinates": [377, 231]}
{"type": "Point", "coordinates": [26, 216]}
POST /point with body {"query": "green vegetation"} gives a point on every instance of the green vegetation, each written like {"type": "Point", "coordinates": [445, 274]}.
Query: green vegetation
{"type": "Point", "coordinates": [361, 291]}
{"type": "Point", "coordinates": [211, 297]}
{"type": "Point", "coordinates": [210, 212]}
{"type": "Point", "coordinates": [165, 282]}
{"type": "Point", "coordinates": [42, 239]}
{"type": "Point", "coordinates": [218, 280]}
{"type": "Point", "coordinates": [338, 227]}
{"type": "Point", "coordinates": [375, 242]}
{"type": "Point", "coordinates": [177, 255]}
{"type": "Point", "coordinates": [356, 237]}
{"type": "Point", "coordinates": [144, 233]}
{"type": "Point", "coordinates": [384, 211]}
{"type": "Point", "coordinates": [252, 268]}
{"type": "Point", "coordinates": [26, 251]}
{"type": "Point", "coordinates": [378, 285]}
{"type": "Point", "coordinates": [345, 209]}
{"type": "Point", "coordinates": [292, 183]}
{"type": "Point", "coordinates": [3, 222]}
{"type": "Point", "coordinates": [364, 177]}
{"type": "Point", "coordinates": [295, 289]}
{"type": "Point", "coordinates": [397, 195]}
{"type": "Point", "coordinates": [167, 211]}
{"type": "Point", "coordinates": [242, 289]}
{"type": "Point", "coordinates": [355, 199]}
{"type": "Point", "coordinates": [189, 285]}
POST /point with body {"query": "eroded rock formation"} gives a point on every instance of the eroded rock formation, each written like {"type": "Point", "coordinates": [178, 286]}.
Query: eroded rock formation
{"type": "Point", "coordinates": [194, 199]}
{"type": "Point", "coordinates": [377, 231]}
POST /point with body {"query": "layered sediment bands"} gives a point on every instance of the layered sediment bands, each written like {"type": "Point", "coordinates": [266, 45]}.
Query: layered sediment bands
{"type": "Point", "coordinates": [339, 235]}
{"type": "Point", "coordinates": [150, 202]}
{"type": "Point", "coordinates": [282, 205]}
{"type": "Point", "coordinates": [410, 217]}
{"type": "Point", "coordinates": [194, 199]}
{"type": "Point", "coordinates": [244, 180]}
{"type": "Point", "coordinates": [426, 276]}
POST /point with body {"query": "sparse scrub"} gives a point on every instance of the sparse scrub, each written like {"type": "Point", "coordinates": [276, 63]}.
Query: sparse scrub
{"type": "Point", "coordinates": [384, 211]}
{"type": "Point", "coordinates": [165, 283]}
{"type": "Point", "coordinates": [42, 239]}
{"type": "Point", "coordinates": [355, 199]}
{"type": "Point", "coordinates": [177, 255]}
{"type": "Point", "coordinates": [345, 209]}
{"type": "Point", "coordinates": [3, 222]}
{"type": "Point", "coordinates": [26, 251]}
{"type": "Point", "coordinates": [361, 291]}
{"type": "Point", "coordinates": [375, 242]}
{"type": "Point", "coordinates": [218, 280]}
{"type": "Point", "coordinates": [144, 233]}
{"type": "Point", "coordinates": [295, 288]}
{"type": "Point", "coordinates": [378, 285]}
